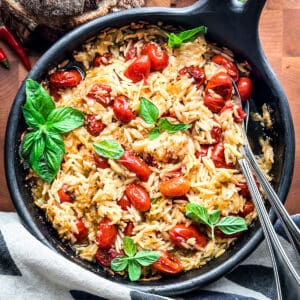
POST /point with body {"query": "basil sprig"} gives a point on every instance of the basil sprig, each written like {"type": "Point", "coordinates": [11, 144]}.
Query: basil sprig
{"type": "Point", "coordinates": [175, 40]}
{"type": "Point", "coordinates": [133, 260]}
{"type": "Point", "coordinates": [228, 225]}
{"type": "Point", "coordinates": [149, 112]}
{"type": "Point", "coordinates": [43, 145]}
{"type": "Point", "coordinates": [109, 149]}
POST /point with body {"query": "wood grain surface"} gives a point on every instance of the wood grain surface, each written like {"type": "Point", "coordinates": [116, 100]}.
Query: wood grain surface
{"type": "Point", "coordinates": [279, 30]}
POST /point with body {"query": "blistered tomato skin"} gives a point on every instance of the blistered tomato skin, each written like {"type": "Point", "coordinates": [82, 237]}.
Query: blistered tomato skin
{"type": "Point", "coordinates": [174, 187]}
{"type": "Point", "coordinates": [124, 202]}
{"type": "Point", "coordinates": [167, 263]}
{"type": "Point", "coordinates": [100, 162]}
{"type": "Point", "coordinates": [230, 67]}
{"type": "Point", "coordinates": [106, 234]}
{"type": "Point", "coordinates": [245, 87]}
{"type": "Point", "coordinates": [138, 196]}
{"type": "Point", "coordinates": [139, 69]}
{"type": "Point", "coordinates": [180, 234]}
{"type": "Point", "coordinates": [159, 58]}
{"type": "Point", "coordinates": [247, 209]}
{"type": "Point", "coordinates": [82, 231]}
{"type": "Point", "coordinates": [65, 79]}
{"type": "Point", "coordinates": [136, 165]}
{"type": "Point", "coordinates": [93, 126]}
{"type": "Point", "coordinates": [64, 195]}
{"type": "Point", "coordinates": [220, 84]}
{"type": "Point", "coordinates": [101, 93]}
{"type": "Point", "coordinates": [218, 156]}
{"type": "Point", "coordinates": [214, 104]}
{"type": "Point", "coordinates": [195, 72]}
{"type": "Point", "coordinates": [105, 256]}
{"type": "Point", "coordinates": [122, 109]}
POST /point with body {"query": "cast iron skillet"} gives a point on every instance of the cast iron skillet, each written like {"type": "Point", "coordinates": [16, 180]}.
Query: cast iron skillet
{"type": "Point", "coordinates": [231, 24]}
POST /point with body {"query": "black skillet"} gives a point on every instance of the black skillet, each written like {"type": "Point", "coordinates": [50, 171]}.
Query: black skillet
{"type": "Point", "coordinates": [231, 24]}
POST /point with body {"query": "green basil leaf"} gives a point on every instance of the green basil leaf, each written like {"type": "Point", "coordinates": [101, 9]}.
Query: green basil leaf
{"type": "Point", "coordinates": [129, 246]}
{"type": "Point", "coordinates": [214, 216]}
{"type": "Point", "coordinates": [41, 168]}
{"type": "Point", "coordinates": [28, 142]}
{"type": "Point", "coordinates": [32, 117]}
{"type": "Point", "coordinates": [55, 142]}
{"type": "Point", "coordinates": [146, 258]}
{"type": "Point", "coordinates": [119, 263]}
{"type": "Point", "coordinates": [37, 150]}
{"type": "Point", "coordinates": [53, 159]}
{"type": "Point", "coordinates": [39, 98]}
{"type": "Point", "coordinates": [174, 40]}
{"type": "Point", "coordinates": [148, 111]}
{"type": "Point", "coordinates": [109, 149]}
{"type": "Point", "coordinates": [64, 119]}
{"type": "Point", "coordinates": [134, 270]}
{"type": "Point", "coordinates": [164, 124]}
{"type": "Point", "coordinates": [154, 133]}
{"type": "Point", "coordinates": [197, 213]}
{"type": "Point", "coordinates": [231, 224]}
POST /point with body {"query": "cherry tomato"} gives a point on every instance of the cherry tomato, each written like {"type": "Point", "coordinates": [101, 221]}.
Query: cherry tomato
{"type": "Point", "coordinates": [223, 235]}
{"type": "Point", "coordinates": [94, 126]}
{"type": "Point", "coordinates": [122, 110]}
{"type": "Point", "coordinates": [106, 234]}
{"type": "Point", "coordinates": [158, 57]}
{"type": "Point", "coordinates": [138, 196]}
{"type": "Point", "coordinates": [174, 187]}
{"type": "Point", "coordinates": [244, 190]}
{"type": "Point", "coordinates": [101, 93]}
{"type": "Point", "coordinates": [167, 263]}
{"type": "Point", "coordinates": [241, 115]}
{"type": "Point", "coordinates": [195, 72]}
{"type": "Point", "coordinates": [214, 104]}
{"type": "Point", "coordinates": [64, 195]}
{"type": "Point", "coordinates": [221, 84]}
{"type": "Point", "coordinates": [230, 67]}
{"type": "Point", "coordinates": [203, 151]}
{"type": "Point", "coordinates": [247, 209]}
{"type": "Point", "coordinates": [82, 231]}
{"type": "Point", "coordinates": [245, 86]}
{"type": "Point", "coordinates": [136, 165]}
{"type": "Point", "coordinates": [105, 256]}
{"type": "Point", "coordinates": [124, 202]}
{"type": "Point", "coordinates": [101, 162]}
{"type": "Point", "coordinates": [65, 79]}
{"type": "Point", "coordinates": [129, 228]}
{"type": "Point", "coordinates": [227, 106]}
{"type": "Point", "coordinates": [139, 69]}
{"type": "Point", "coordinates": [180, 233]}
{"type": "Point", "coordinates": [216, 134]}
{"type": "Point", "coordinates": [54, 93]}
{"type": "Point", "coordinates": [102, 59]}
{"type": "Point", "coordinates": [218, 157]}
{"type": "Point", "coordinates": [130, 51]}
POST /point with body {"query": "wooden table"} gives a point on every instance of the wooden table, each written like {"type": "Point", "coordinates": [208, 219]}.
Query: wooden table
{"type": "Point", "coordinates": [280, 36]}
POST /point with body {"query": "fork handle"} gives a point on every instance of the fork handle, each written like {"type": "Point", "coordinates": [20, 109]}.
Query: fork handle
{"type": "Point", "coordinates": [291, 229]}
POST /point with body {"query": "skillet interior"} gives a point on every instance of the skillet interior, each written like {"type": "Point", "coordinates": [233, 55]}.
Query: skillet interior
{"type": "Point", "coordinates": [221, 18]}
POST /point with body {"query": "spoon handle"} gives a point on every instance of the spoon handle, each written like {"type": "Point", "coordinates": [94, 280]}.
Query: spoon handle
{"type": "Point", "coordinates": [286, 278]}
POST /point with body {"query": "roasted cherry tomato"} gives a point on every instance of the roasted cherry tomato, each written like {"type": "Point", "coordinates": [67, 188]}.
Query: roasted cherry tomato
{"type": "Point", "coordinates": [124, 202]}
{"type": "Point", "coordinates": [218, 157]}
{"type": "Point", "coordinates": [223, 235]}
{"type": "Point", "coordinates": [101, 93]}
{"type": "Point", "coordinates": [129, 228]}
{"type": "Point", "coordinates": [136, 165]}
{"type": "Point", "coordinates": [122, 110]}
{"type": "Point", "coordinates": [221, 84]}
{"type": "Point", "coordinates": [138, 196]}
{"type": "Point", "coordinates": [139, 69]}
{"type": "Point", "coordinates": [247, 209]}
{"type": "Point", "coordinates": [54, 93]}
{"type": "Point", "coordinates": [105, 256]}
{"type": "Point", "coordinates": [174, 187]}
{"type": "Point", "coordinates": [216, 134]}
{"type": "Point", "coordinates": [106, 234]}
{"type": "Point", "coordinates": [158, 57]}
{"type": "Point", "coordinates": [65, 79]}
{"type": "Point", "coordinates": [230, 67]}
{"type": "Point", "coordinates": [214, 104]}
{"type": "Point", "coordinates": [82, 231]}
{"type": "Point", "coordinates": [130, 51]}
{"type": "Point", "coordinates": [101, 59]}
{"type": "Point", "coordinates": [195, 72]}
{"type": "Point", "coordinates": [245, 86]}
{"type": "Point", "coordinates": [94, 126]}
{"type": "Point", "coordinates": [64, 195]}
{"type": "Point", "coordinates": [101, 162]}
{"type": "Point", "coordinates": [167, 263]}
{"type": "Point", "coordinates": [241, 115]}
{"type": "Point", "coordinates": [244, 190]}
{"type": "Point", "coordinates": [180, 233]}
{"type": "Point", "coordinates": [203, 151]}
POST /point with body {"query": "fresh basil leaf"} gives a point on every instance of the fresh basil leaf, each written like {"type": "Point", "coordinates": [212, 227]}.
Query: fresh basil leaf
{"type": "Point", "coordinates": [39, 98]}
{"type": "Point", "coordinates": [64, 119]}
{"type": "Point", "coordinates": [134, 270]}
{"type": "Point", "coordinates": [37, 149]}
{"type": "Point", "coordinates": [231, 224]}
{"type": "Point", "coordinates": [154, 133]}
{"type": "Point", "coordinates": [41, 168]}
{"type": "Point", "coordinates": [119, 263]}
{"type": "Point", "coordinates": [32, 117]}
{"type": "Point", "coordinates": [53, 159]}
{"type": "Point", "coordinates": [197, 213]}
{"type": "Point", "coordinates": [55, 142]}
{"type": "Point", "coordinates": [214, 216]}
{"type": "Point", "coordinates": [129, 246]}
{"type": "Point", "coordinates": [109, 149]}
{"type": "Point", "coordinates": [28, 142]}
{"type": "Point", "coordinates": [174, 40]}
{"type": "Point", "coordinates": [164, 124]}
{"type": "Point", "coordinates": [146, 258]}
{"type": "Point", "coordinates": [148, 111]}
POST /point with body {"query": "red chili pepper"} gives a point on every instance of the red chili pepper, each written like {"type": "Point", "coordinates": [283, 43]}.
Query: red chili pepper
{"type": "Point", "coordinates": [7, 36]}
{"type": "Point", "coordinates": [3, 59]}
